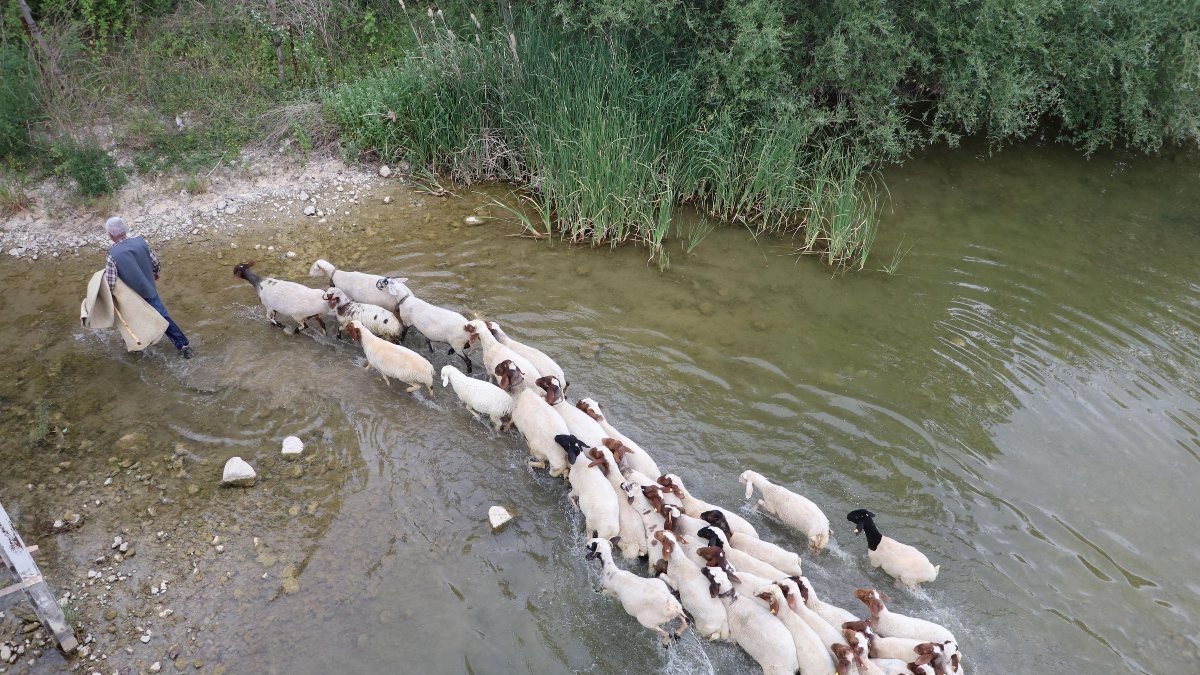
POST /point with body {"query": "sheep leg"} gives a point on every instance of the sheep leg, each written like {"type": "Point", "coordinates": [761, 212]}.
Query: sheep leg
{"type": "Point", "coordinates": [271, 318]}
{"type": "Point", "coordinates": [385, 380]}
{"type": "Point", "coordinates": [683, 624]}
{"type": "Point", "coordinates": [666, 637]}
{"type": "Point", "coordinates": [429, 344]}
{"type": "Point", "coordinates": [535, 463]}
{"type": "Point", "coordinates": [412, 389]}
{"type": "Point", "coordinates": [475, 415]}
{"type": "Point", "coordinates": [466, 359]}
{"type": "Point", "coordinates": [758, 504]}
{"type": "Point", "coordinates": [403, 333]}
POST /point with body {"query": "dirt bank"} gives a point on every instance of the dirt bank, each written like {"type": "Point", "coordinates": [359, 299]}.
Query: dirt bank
{"type": "Point", "coordinates": [236, 195]}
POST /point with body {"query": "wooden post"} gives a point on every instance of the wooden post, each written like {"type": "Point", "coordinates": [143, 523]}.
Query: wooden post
{"type": "Point", "coordinates": [28, 580]}
{"type": "Point", "coordinates": [35, 35]}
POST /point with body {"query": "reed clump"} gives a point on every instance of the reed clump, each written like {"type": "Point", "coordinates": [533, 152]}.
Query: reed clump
{"type": "Point", "coordinates": [608, 138]}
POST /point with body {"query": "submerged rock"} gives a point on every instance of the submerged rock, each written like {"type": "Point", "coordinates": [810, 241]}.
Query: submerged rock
{"type": "Point", "coordinates": [238, 473]}
{"type": "Point", "coordinates": [473, 220]}
{"type": "Point", "coordinates": [292, 446]}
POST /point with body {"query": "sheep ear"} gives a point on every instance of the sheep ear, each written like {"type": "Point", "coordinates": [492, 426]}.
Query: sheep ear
{"type": "Point", "coordinates": [615, 540]}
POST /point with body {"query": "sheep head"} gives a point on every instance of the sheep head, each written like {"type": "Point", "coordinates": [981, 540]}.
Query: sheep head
{"type": "Point", "coordinates": [785, 587]}
{"type": "Point", "coordinates": [509, 374]}
{"type": "Point", "coordinates": [873, 599]}
{"type": "Point", "coordinates": [747, 478]}
{"type": "Point", "coordinates": [713, 536]}
{"type": "Point", "coordinates": [446, 374]}
{"type": "Point", "coordinates": [717, 518]}
{"type": "Point", "coordinates": [719, 585]}
{"type": "Point", "coordinates": [321, 267]}
{"type": "Point", "coordinates": [391, 285]}
{"type": "Point", "coordinates": [652, 495]}
{"type": "Point", "coordinates": [494, 329]}
{"type": "Point", "coordinates": [354, 330]}
{"type": "Point", "coordinates": [239, 270]}
{"type": "Point", "coordinates": [598, 460]}
{"type": "Point", "coordinates": [671, 483]}
{"type": "Point", "coordinates": [553, 389]}
{"type": "Point", "coordinates": [572, 445]}
{"type": "Point", "coordinates": [771, 600]}
{"type": "Point", "coordinates": [585, 406]}
{"type": "Point", "coordinates": [336, 298]}
{"type": "Point", "coordinates": [667, 539]}
{"type": "Point", "coordinates": [843, 655]}
{"type": "Point", "coordinates": [618, 449]}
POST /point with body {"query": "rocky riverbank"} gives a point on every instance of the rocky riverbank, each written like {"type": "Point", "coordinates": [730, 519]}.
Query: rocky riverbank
{"type": "Point", "coordinates": [255, 189]}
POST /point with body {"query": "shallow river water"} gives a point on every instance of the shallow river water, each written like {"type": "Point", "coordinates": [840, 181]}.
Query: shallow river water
{"type": "Point", "coordinates": [1021, 401]}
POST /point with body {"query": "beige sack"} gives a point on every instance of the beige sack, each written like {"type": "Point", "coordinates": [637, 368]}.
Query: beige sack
{"type": "Point", "coordinates": [139, 324]}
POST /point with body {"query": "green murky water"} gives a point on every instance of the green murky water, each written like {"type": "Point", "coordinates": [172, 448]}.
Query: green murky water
{"type": "Point", "coordinates": [1022, 402]}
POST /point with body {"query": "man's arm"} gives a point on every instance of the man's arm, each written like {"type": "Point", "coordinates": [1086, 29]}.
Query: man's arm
{"type": "Point", "coordinates": [110, 274]}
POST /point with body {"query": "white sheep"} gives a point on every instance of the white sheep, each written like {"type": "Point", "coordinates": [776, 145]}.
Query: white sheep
{"type": "Point", "coordinates": [754, 629]}
{"type": "Point", "coordinates": [295, 301]}
{"type": "Point", "coordinates": [694, 507]}
{"type": "Point", "coordinates": [544, 364]}
{"type": "Point", "coordinates": [798, 513]}
{"type": "Point", "coordinates": [814, 657]}
{"type": "Point", "coordinates": [633, 530]}
{"type": "Point", "coordinates": [480, 397]}
{"type": "Point", "coordinates": [437, 324]}
{"type": "Point", "coordinates": [905, 563]}
{"type": "Point", "coordinates": [647, 600]}
{"type": "Point", "coordinates": [636, 458]}
{"type": "Point", "coordinates": [495, 353]}
{"type": "Point", "coordinates": [776, 556]}
{"type": "Point", "coordinates": [358, 286]}
{"type": "Point", "coordinates": [590, 488]}
{"type": "Point", "coordinates": [536, 420]}
{"type": "Point", "coordinates": [683, 574]}
{"type": "Point", "coordinates": [378, 320]}
{"type": "Point", "coordinates": [890, 624]}
{"type": "Point", "coordinates": [392, 360]}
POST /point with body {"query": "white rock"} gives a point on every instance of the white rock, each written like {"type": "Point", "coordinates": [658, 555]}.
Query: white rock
{"type": "Point", "coordinates": [291, 254]}
{"type": "Point", "coordinates": [384, 171]}
{"type": "Point", "coordinates": [220, 548]}
{"type": "Point", "coordinates": [230, 210]}
{"type": "Point", "coordinates": [156, 666]}
{"type": "Point", "coordinates": [387, 200]}
{"type": "Point", "coordinates": [310, 210]}
{"type": "Point", "coordinates": [238, 473]}
{"type": "Point", "coordinates": [473, 220]}
{"type": "Point", "coordinates": [292, 446]}
{"type": "Point", "coordinates": [303, 196]}
{"type": "Point", "coordinates": [145, 638]}
{"type": "Point", "coordinates": [221, 205]}
{"type": "Point", "coordinates": [498, 516]}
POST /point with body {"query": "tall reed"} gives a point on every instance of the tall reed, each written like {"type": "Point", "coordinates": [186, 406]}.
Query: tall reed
{"type": "Point", "coordinates": [607, 136]}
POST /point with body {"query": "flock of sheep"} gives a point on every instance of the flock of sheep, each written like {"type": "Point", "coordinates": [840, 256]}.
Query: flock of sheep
{"type": "Point", "coordinates": [704, 561]}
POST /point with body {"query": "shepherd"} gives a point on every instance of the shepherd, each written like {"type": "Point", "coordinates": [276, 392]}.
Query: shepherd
{"type": "Point", "coordinates": [132, 261]}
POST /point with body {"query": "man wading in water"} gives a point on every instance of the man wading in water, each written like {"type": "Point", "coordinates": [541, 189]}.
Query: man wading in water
{"type": "Point", "coordinates": [134, 263]}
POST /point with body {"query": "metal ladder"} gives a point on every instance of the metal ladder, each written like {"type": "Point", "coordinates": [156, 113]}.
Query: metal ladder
{"type": "Point", "coordinates": [28, 582]}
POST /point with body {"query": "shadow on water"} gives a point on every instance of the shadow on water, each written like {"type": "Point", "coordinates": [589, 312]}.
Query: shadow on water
{"type": "Point", "coordinates": [1020, 401]}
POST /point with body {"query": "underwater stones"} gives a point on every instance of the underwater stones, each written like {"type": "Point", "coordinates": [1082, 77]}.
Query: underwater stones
{"type": "Point", "coordinates": [238, 473]}
{"type": "Point", "coordinates": [292, 447]}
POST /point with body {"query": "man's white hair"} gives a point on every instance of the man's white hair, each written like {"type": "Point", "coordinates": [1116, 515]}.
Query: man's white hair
{"type": "Point", "coordinates": [115, 227]}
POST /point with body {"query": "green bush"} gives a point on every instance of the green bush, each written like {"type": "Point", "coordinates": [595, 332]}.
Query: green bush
{"type": "Point", "coordinates": [93, 170]}
{"type": "Point", "coordinates": [19, 104]}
